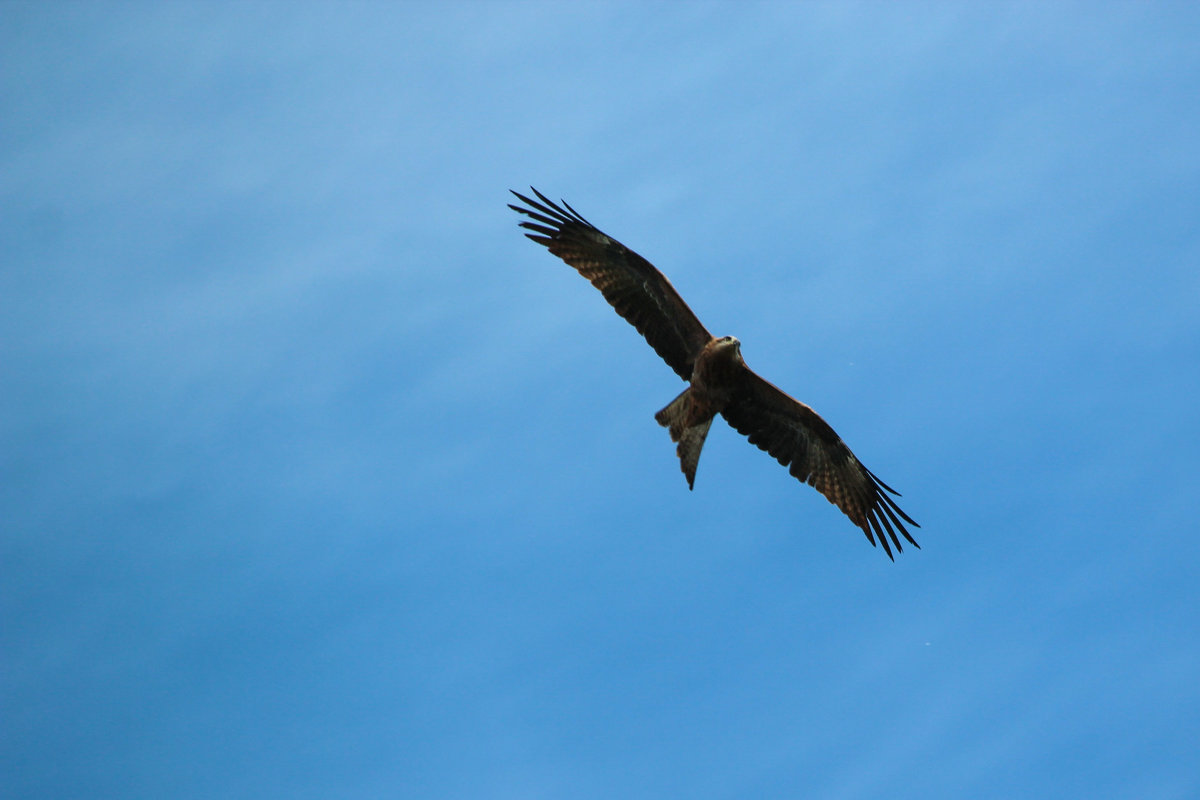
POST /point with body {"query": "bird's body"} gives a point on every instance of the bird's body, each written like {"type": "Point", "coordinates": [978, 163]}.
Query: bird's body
{"type": "Point", "coordinates": [719, 380]}
{"type": "Point", "coordinates": [715, 379]}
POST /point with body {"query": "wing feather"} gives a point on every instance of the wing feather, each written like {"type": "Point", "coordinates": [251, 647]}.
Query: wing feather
{"type": "Point", "coordinates": [800, 440]}
{"type": "Point", "coordinates": [640, 293]}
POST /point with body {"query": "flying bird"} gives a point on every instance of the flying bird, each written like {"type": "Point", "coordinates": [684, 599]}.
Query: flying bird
{"type": "Point", "coordinates": [719, 380]}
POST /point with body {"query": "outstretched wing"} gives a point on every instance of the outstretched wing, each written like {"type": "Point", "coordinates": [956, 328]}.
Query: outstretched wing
{"type": "Point", "coordinates": [799, 439]}
{"type": "Point", "coordinates": [639, 292]}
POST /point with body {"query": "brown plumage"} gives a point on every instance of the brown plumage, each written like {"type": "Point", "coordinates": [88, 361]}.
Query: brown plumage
{"type": "Point", "coordinates": [719, 380]}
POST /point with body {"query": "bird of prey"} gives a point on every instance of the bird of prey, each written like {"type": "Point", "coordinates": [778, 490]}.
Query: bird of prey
{"type": "Point", "coordinates": [719, 380]}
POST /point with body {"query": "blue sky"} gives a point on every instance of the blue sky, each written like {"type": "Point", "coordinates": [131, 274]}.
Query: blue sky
{"type": "Point", "coordinates": [320, 480]}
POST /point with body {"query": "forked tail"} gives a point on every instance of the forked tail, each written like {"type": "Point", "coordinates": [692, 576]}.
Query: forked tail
{"type": "Point", "coordinates": [678, 419]}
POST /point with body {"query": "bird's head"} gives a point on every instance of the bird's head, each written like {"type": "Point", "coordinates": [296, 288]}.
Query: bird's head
{"type": "Point", "coordinates": [730, 347]}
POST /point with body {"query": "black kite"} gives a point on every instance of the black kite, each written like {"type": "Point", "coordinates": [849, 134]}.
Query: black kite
{"type": "Point", "coordinates": [720, 382]}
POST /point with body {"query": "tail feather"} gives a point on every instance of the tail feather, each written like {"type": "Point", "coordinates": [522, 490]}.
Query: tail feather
{"type": "Point", "coordinates": [676, 418]}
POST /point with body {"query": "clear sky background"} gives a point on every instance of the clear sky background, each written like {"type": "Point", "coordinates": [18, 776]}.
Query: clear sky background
{"type": "Point", "coordinates": [320, 480]}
